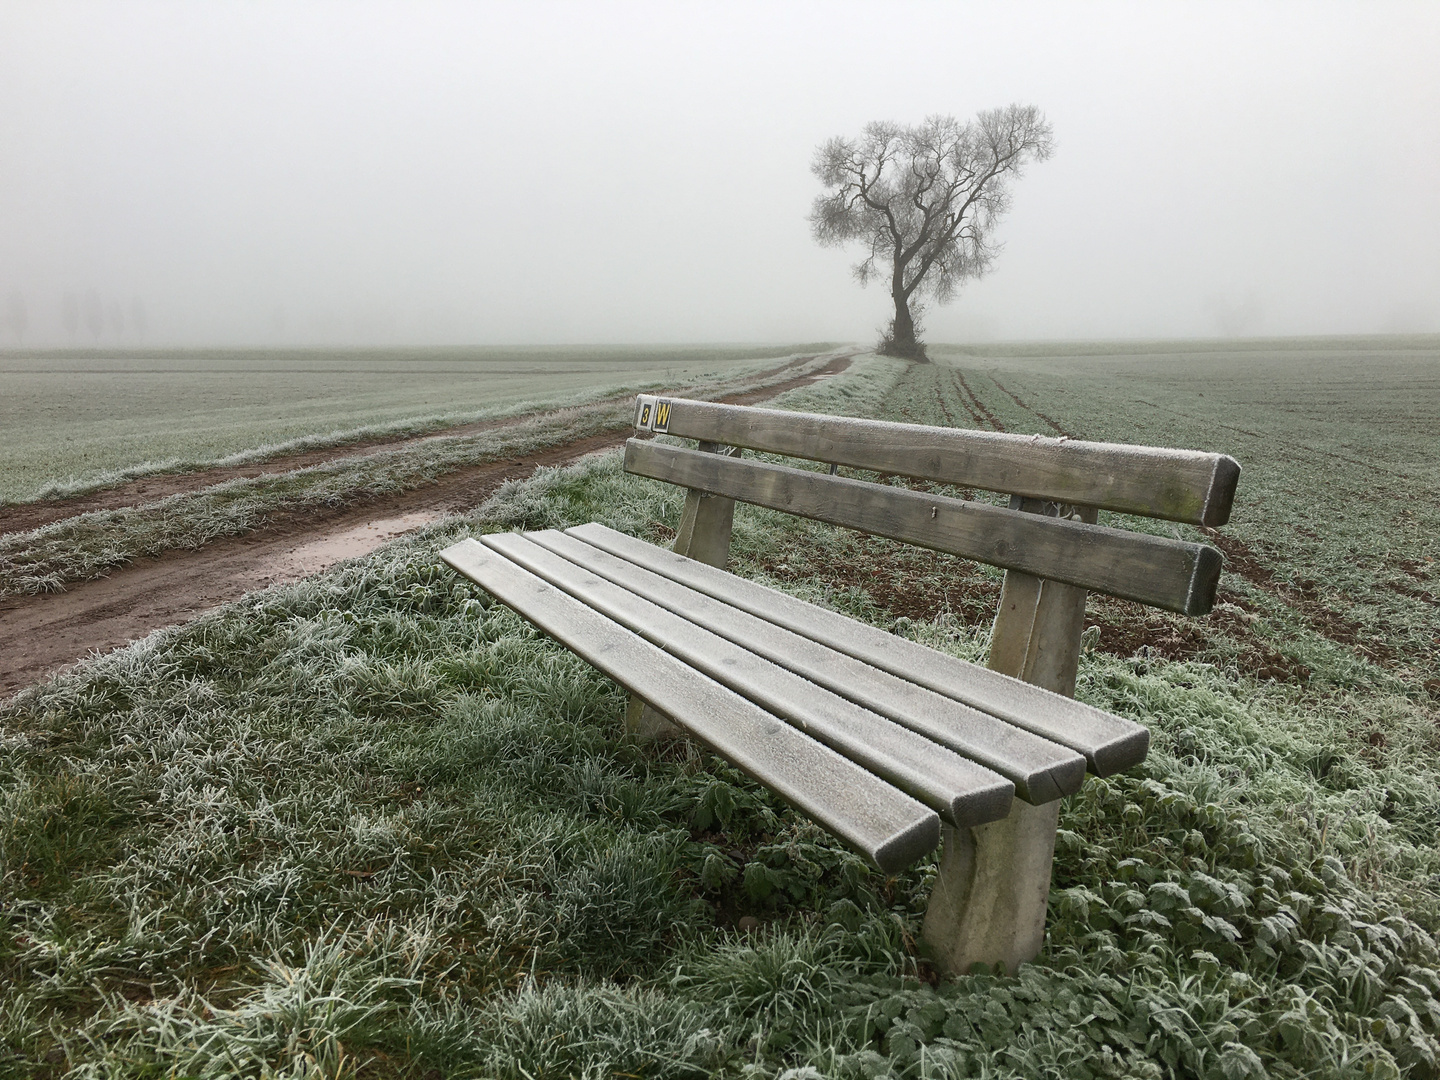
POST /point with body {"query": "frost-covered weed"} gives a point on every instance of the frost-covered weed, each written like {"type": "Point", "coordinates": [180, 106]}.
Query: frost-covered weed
{"type": "Point", "coordinates": [373, 824]}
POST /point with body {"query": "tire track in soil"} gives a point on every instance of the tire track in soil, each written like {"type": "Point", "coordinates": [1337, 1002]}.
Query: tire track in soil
{"type": "Point", "coordinates": [940, 387]}
{"type": "Point", "coordinates": [944, 407]}
{"type": "Point", "coordinates": [990, 418]}
{"type": "Point", "coordinates": [1033, 411]}
{"type": "Point", "coordinates": [42, 634]}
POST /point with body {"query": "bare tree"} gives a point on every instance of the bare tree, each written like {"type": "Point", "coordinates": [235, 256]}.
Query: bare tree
{"type": "Point", "coordinates": [70, 314]}
{"type": "Point", "coordinates": [17, 317]}
{"type": "Point", "coordinates": [94, 314]}
{"type": "Point", "coordinates": [924, 202]}
{"type": "Point", "coordinates": [138, 321]}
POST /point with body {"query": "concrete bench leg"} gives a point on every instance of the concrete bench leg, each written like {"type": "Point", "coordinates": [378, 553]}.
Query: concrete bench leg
{"type": "Point", "coordinates": [649, 723]}
{"type": "Point", "coordinates": [989, 902]}
{"type": "Point", "coordinates": [703, 535]}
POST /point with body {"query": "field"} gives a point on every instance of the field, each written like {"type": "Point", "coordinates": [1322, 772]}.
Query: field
{"type": "Point", "coordinates": [71, 419]}
{"type": "Point", "coordinates": [372, 824]}
{"type": "Point", "coordinates": [1337, 521]}
{"type": "Point", "coordinates": [93, 529]}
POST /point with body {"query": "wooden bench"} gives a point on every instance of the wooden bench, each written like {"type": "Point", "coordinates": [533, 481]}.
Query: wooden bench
{"type": "Point", "coordinates": [892, 746]}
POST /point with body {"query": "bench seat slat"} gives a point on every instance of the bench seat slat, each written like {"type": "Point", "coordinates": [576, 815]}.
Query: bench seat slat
{"type": "Point", "coordinates": [963, 792]}
{"type": "Point", "coordinates": [879, 820]}
{"type": "Point", "coordinates": [1179, 485]}
{"type": "Point", "coordinates": [1041, 770]}
{"type": "Point", "coordinates": [1171, 574]}
{"type": "Point", "coordinates": [1109, 743]}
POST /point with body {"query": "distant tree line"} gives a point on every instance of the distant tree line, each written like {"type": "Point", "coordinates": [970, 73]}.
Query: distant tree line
{"type": "Point", "coordinates": [17, 316]}
{"type": "Point", "coordinates": [89, 311]}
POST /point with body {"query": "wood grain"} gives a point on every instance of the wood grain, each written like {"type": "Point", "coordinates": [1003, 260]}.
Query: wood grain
{"type": "Point", "coordinates": [1109, 743]}
{"type": "Point", "coordinates": [1036, 636]}
{"type": "Point", "coordinates": [962, 791]}
{"type": "Point", "coordinates": [1040, 768]}
{"type": "Point", "coordinates": [1178, 485]}
{"type": "Point", "coordinates": [876, 818]}
{"type": "Point", "coordinates": [1170, 574]}
{"type": "Point", "coordinates": [993, 884]}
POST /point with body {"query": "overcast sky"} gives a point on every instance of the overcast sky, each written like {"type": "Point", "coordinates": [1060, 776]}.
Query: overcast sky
{"type": "Point", "coordinates": [296, 173]}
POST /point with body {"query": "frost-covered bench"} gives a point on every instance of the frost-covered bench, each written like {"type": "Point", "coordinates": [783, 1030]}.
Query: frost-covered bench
{"type": "Point", "coordinates": [889, 744]}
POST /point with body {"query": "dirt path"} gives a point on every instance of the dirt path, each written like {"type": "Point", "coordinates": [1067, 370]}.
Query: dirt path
{"type": "Point", "coordinates": [21, 517]}
{"type": "Point", "coordinates": [40, 634]}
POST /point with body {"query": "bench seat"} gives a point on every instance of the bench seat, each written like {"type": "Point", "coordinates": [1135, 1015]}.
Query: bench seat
{"type": "Point", "coordinates": [877, 738]}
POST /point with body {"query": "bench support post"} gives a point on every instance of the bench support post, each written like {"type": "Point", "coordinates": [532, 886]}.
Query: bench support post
{"type": "Point", "coordinates": [989, 902]}
{"type": "Point", "coordinates": [703, 535]}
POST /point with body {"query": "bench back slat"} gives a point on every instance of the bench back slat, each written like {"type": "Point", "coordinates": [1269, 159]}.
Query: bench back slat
{"type": "Point", "coordinates": [1177, 485]}
{"type": "Point", "coordinates": [1170, 574]}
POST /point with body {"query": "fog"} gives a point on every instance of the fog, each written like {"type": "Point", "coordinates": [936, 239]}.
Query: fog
{"type": "Point", "coordinates": [296, 174]}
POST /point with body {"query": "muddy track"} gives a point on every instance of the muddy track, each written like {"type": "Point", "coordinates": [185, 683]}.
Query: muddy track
{"type": "Point", "coordinates": [39, 634]}
{"type": "Point", "coordinates": [1016, 398]}
{"type": "Point", "coordinates": [944, 408]}
{"type": "Point", "coordinates": [21, 517]}
{"type": "Point", "coordinates": [979, 410]}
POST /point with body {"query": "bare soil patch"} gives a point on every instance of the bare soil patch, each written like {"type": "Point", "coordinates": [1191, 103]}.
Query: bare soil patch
{"type": "Point", "coordinates": [1127, 628]}
{"type": "Point", "coordinates": [1305, 597]}
{"type": "Point", "coordinates": [42, 633]}
{"type": "Point", "coordinates": [315, 555]}
{"type": "Point", "coordinates": [922, 585]}
{"type": "Point", "coordinates": [904, 581]}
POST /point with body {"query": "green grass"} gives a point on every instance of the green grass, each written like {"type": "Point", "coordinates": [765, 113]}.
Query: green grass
{"type": "Point", "coordinates": [371, 824]}
{"type": "Point", "coordinates": [90, 545]}
{"type": "Point", "coordinates": [1337, 438]}
{"type": "Point", "coordinates": [74, 420]}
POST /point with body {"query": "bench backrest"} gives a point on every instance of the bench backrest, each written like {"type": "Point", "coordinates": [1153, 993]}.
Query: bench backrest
{"type": "Point", "coordinates": [1178, 485]}
{"type": "Point", "coordinates": [1057, 487]}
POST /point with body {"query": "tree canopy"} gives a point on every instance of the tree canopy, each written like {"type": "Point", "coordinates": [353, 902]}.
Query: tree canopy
{"type": "Point", "coordinates": [924, 201]}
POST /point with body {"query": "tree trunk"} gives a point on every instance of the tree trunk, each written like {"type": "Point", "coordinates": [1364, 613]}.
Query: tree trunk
{"type": "Point", "coordinates": [901, 340]}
